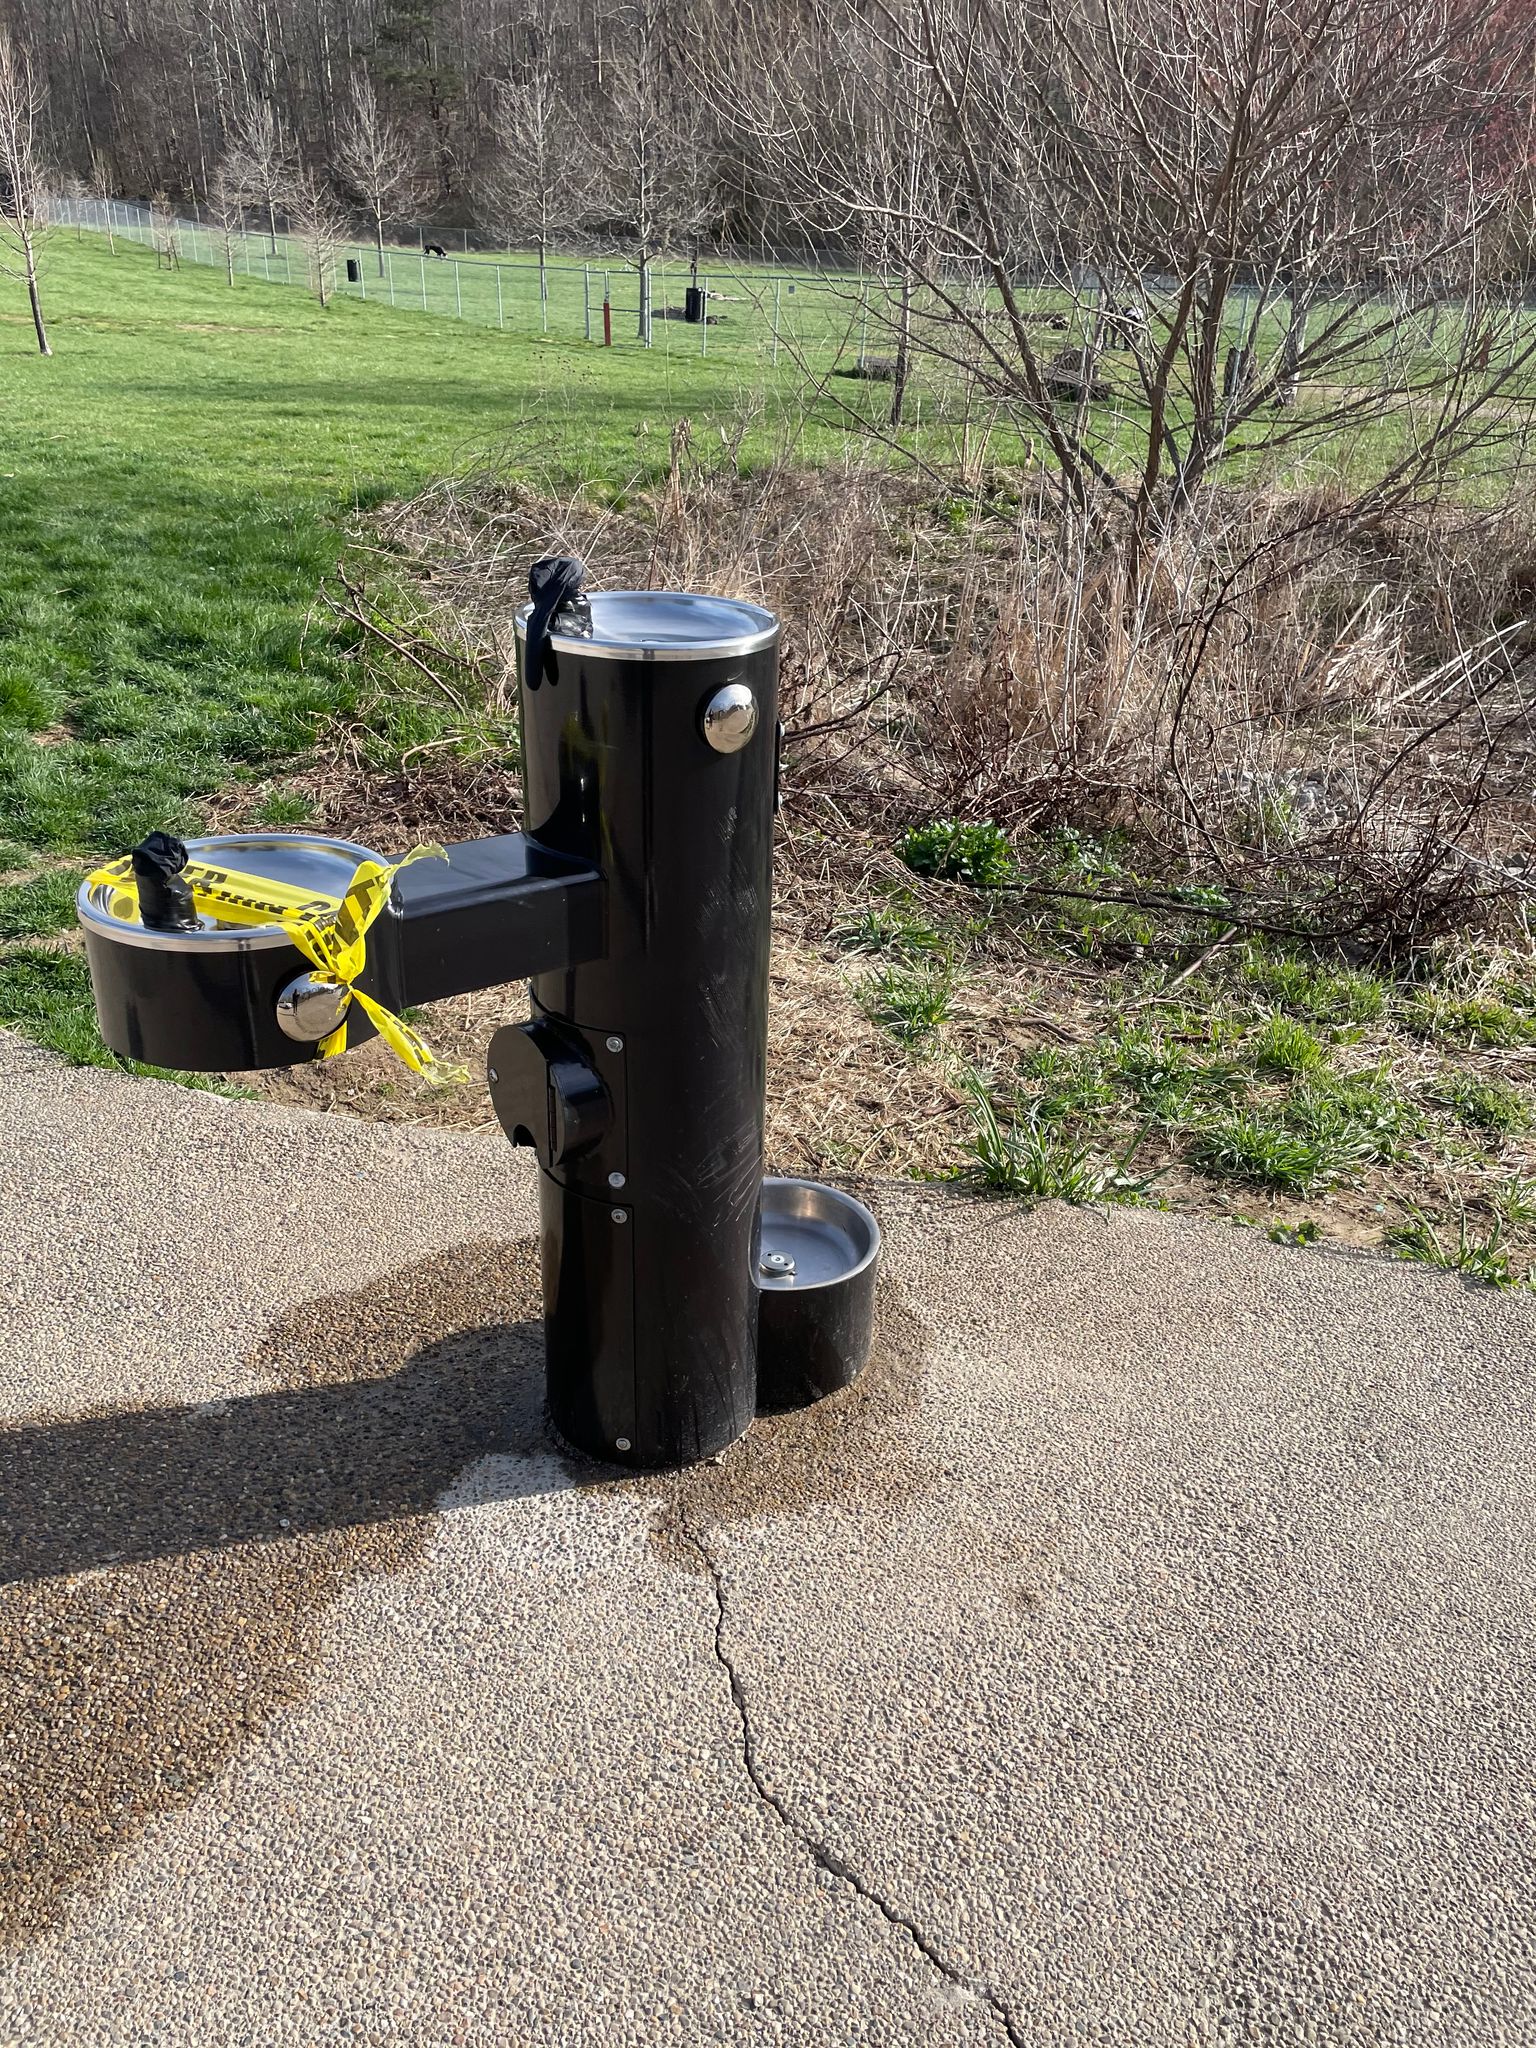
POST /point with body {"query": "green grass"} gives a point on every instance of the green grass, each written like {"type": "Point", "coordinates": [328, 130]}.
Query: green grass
{"type": "Point", "coordinates": [1472, 1020]}
{"type": "Point", "coordinates": [1282, 1046]}
{"type": "Point", "coordinates": [1168, 1084]}
{"type": "Point", "coordinates": [173, 484]}
{"type": "Point", "coordinates": [1055, 1084]}
{"type": "Point", "coordinates": [1030, 1161]}
{"type": "Point", "coordinates": [912, 1003]}
{"type": "Point", "coordinates": [47, 995]}
{"type": "Point", "coordinates": [886, 928]}
{"type": "Point", "coordinates": [1323, 995]}
{"type": "Point", "coordinates": [35, 908]}
{"type": "Point", "coordinates": [1264, 1149]}
{"type": "Point", "coordinates": [1481, 1255]}
{"type": "Point", "coordinates": [1494, 1106]}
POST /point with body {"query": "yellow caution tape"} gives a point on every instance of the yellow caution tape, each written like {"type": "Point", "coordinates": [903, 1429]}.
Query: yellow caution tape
{"type": "Point", "coordinates": [330, 931]}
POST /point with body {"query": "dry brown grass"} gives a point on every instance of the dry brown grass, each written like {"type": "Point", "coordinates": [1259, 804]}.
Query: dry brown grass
{"type": "Point", "coordinates": [1289, 698]}
{"type": "Point", "coordinates": [1326, 720]}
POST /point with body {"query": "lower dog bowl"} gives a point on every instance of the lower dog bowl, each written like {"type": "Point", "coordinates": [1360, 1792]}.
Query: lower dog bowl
{"type": "Point", "coordinates": [207, 1000]}
{"type": "Point", "coordinates": [818, 1255]}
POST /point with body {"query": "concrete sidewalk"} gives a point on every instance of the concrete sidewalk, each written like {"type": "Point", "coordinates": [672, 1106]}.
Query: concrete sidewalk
{"type": "Point", "coordinates": [1140, 1655]}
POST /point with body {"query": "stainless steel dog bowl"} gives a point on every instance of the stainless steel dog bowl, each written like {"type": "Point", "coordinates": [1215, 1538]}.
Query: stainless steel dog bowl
{"type": "Point", "coordinates": [818, 1257]}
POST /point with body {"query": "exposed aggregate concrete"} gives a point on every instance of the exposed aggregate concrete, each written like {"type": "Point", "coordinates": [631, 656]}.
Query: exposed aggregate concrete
{"type": "Point", "coordinates": [1139, 1655]}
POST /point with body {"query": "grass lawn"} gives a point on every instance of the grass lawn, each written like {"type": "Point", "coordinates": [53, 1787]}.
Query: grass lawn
{"type": "Point", "coordinates": [173, 484]}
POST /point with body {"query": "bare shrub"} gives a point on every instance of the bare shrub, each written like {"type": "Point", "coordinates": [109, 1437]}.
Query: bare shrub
{"type": "Point", "coordinates": [1328, 723]}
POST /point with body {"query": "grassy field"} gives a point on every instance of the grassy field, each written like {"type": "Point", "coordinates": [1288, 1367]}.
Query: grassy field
{"type": "Point", "coordinates": [173, 487]}
{"type": "Point", "coordinates": [175, 483]}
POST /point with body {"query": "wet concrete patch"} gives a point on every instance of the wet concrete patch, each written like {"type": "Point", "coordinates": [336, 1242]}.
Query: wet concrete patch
{"type": "Point", "coordinates": [164, 1575]}
{"type": "Point", "coordinates": [853, 1446]}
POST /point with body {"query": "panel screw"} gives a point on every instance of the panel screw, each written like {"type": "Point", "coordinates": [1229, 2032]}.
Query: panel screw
{"type": "Point", "coordinates": [615, 1180]}
{"type": "Point", "coordinates": [615, 1044]}
{"type": "Point", "coordinates": [621, 1443]}
{"type": "Point", "coordinates": [620, 1215]}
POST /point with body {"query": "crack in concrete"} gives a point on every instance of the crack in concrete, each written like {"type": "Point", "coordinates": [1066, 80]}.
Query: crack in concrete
{"type": "Point", "coordinates": [821, 1853]}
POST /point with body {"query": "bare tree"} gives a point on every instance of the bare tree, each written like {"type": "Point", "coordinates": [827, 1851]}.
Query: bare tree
{"type": "Point", "coordinates": [651, 187]}
{"type": "Point", "coordinates": [376, 162]}
{"type": "Point", "coordinates": [23, 213]}
{"type": "Point", "coordinates": [226, 209]}
{"type": "Point", "coordinates": [537, 183]}
{"type": "Point", "coordinates": [319, 221]}
{"type": "Point", "coordinates": [165, 231]}
{"type": "Point", "coordinates": [1235, 198]}
{"type": "Point", "coordinates": [101, 185]}
{"type": "Point", "coordinates": [258, 163]}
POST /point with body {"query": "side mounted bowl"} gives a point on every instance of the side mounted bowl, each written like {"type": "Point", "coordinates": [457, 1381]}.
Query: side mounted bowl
{"type": "Point", "coordinates": [818, 1259]}
{"type": "Point", "coordinates": [206, 1000]}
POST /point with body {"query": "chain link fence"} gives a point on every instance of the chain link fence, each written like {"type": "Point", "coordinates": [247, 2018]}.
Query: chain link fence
{"type": "Point", "coordinates": [725, 309]}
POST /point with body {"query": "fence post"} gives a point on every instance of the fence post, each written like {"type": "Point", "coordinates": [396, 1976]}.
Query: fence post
{"type": "Point", "coordinates": [586, 298]}
{"type": "Point", "coordinates": [458, 293]}
{"type": "Point", "coordinates": [245, 250]}
{"type": "Point", "coordinates": [389, 275]}
{"type": "Point", "coordinates": [704, 318]}
{"type": "Point", "coordinates": [543, 293]}
{"type": "Point", "coordinates": [423, 280]}
{"type": "Point", "coordinates": [362, 273]}
{"type": "Point", "coordinates": [500, 318]}
{"type": "Point", "coordinates": [778, 286]}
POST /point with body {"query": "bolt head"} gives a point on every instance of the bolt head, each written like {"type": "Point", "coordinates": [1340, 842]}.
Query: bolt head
{"type": "Point", "coordinates": [730, 718]}
{"type": "Point", "coordinates": [309, 1010]}
{"type": "Point", "coordinates": [615, 1044]}
{"type": "Point", "coordinates": [491, 1073]}
{"type": "Point", "coordinates": [619, 1215]}
{"type": "Point", "coordinates": [621, 1443]}
{"type": "Point", "coordinates": [615, 1180]}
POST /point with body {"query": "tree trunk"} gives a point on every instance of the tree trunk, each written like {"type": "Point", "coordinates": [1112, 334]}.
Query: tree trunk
{"type": "Point", "coordinates": [645, 297]}
{"type": "Point", "coordinates": [543, 286]}
{"type": "Point", "coordinates": [1294, 346]}
{"type": "Point", "coordinates": [378, 232]}
{"type": "Point", "coordinates": [272, 223]}
{"type": "Point", "coordinates": [903, 352]}
{"type": "Point", "coordinates": [43, 347]}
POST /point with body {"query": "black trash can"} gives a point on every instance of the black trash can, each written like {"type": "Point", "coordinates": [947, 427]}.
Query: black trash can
{"type": "Point", "coordinates": [693, 304]}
